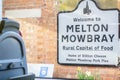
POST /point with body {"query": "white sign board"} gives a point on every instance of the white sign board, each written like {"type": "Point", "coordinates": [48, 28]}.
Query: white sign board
{"type": "Point", "coordinates": [88, 35]}
{"type": "Point", "coordinates": [0, 10]}
{"type": "Point", "coordinates": [41, 70]}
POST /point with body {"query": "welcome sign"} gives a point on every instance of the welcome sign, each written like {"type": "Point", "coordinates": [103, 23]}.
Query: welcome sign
{"type": "Point", "coordinates": [88, 35]}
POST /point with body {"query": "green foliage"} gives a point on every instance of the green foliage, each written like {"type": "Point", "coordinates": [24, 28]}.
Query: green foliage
{"type": "Point", "coordinates": [83, 76]}
{"type": "Point", "coordinates": [107, 4]}
{"type": "Point", "coordinates": [68, 5]}
{"type": "Point", "coordinates": [87, 75]}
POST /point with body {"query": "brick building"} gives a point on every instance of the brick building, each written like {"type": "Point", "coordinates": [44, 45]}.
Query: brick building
{"type": "Point", "coordinates": [39, 32]}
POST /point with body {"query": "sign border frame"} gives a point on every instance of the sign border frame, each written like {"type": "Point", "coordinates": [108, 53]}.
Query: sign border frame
{"type": "Point", "coordinates": [71, 64]}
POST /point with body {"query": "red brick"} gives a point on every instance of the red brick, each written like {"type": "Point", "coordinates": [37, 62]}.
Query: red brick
{"type": "Point", "coordinates": [41, 41]}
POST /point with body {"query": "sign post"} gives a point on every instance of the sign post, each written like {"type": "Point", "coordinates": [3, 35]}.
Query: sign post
{"type": "Point", "coordinates": [88, 35]}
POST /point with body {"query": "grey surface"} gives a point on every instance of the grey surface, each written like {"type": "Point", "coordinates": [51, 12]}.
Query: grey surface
{"type": "Point", "coordinates": [11, 25]}
{"type": "Point", "coordinates": [48, 79]}
{"type": "Point", "coordinates": [38, 78]}
{"type": "Point", "coordinates": [23, 77]}
{"type": "Point", "coordinates": [12, 52]}
{"type": "Point", "coordinates": [12, 56]}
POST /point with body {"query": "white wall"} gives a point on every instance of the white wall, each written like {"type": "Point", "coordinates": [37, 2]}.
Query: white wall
{"type": "Point", "coordinates": [23, 13]}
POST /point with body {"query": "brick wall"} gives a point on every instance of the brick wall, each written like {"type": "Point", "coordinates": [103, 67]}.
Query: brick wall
{"type": "Point", "coordinates": [40, 37]}
{"type": "Point", "coordinates": [119, 4]}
